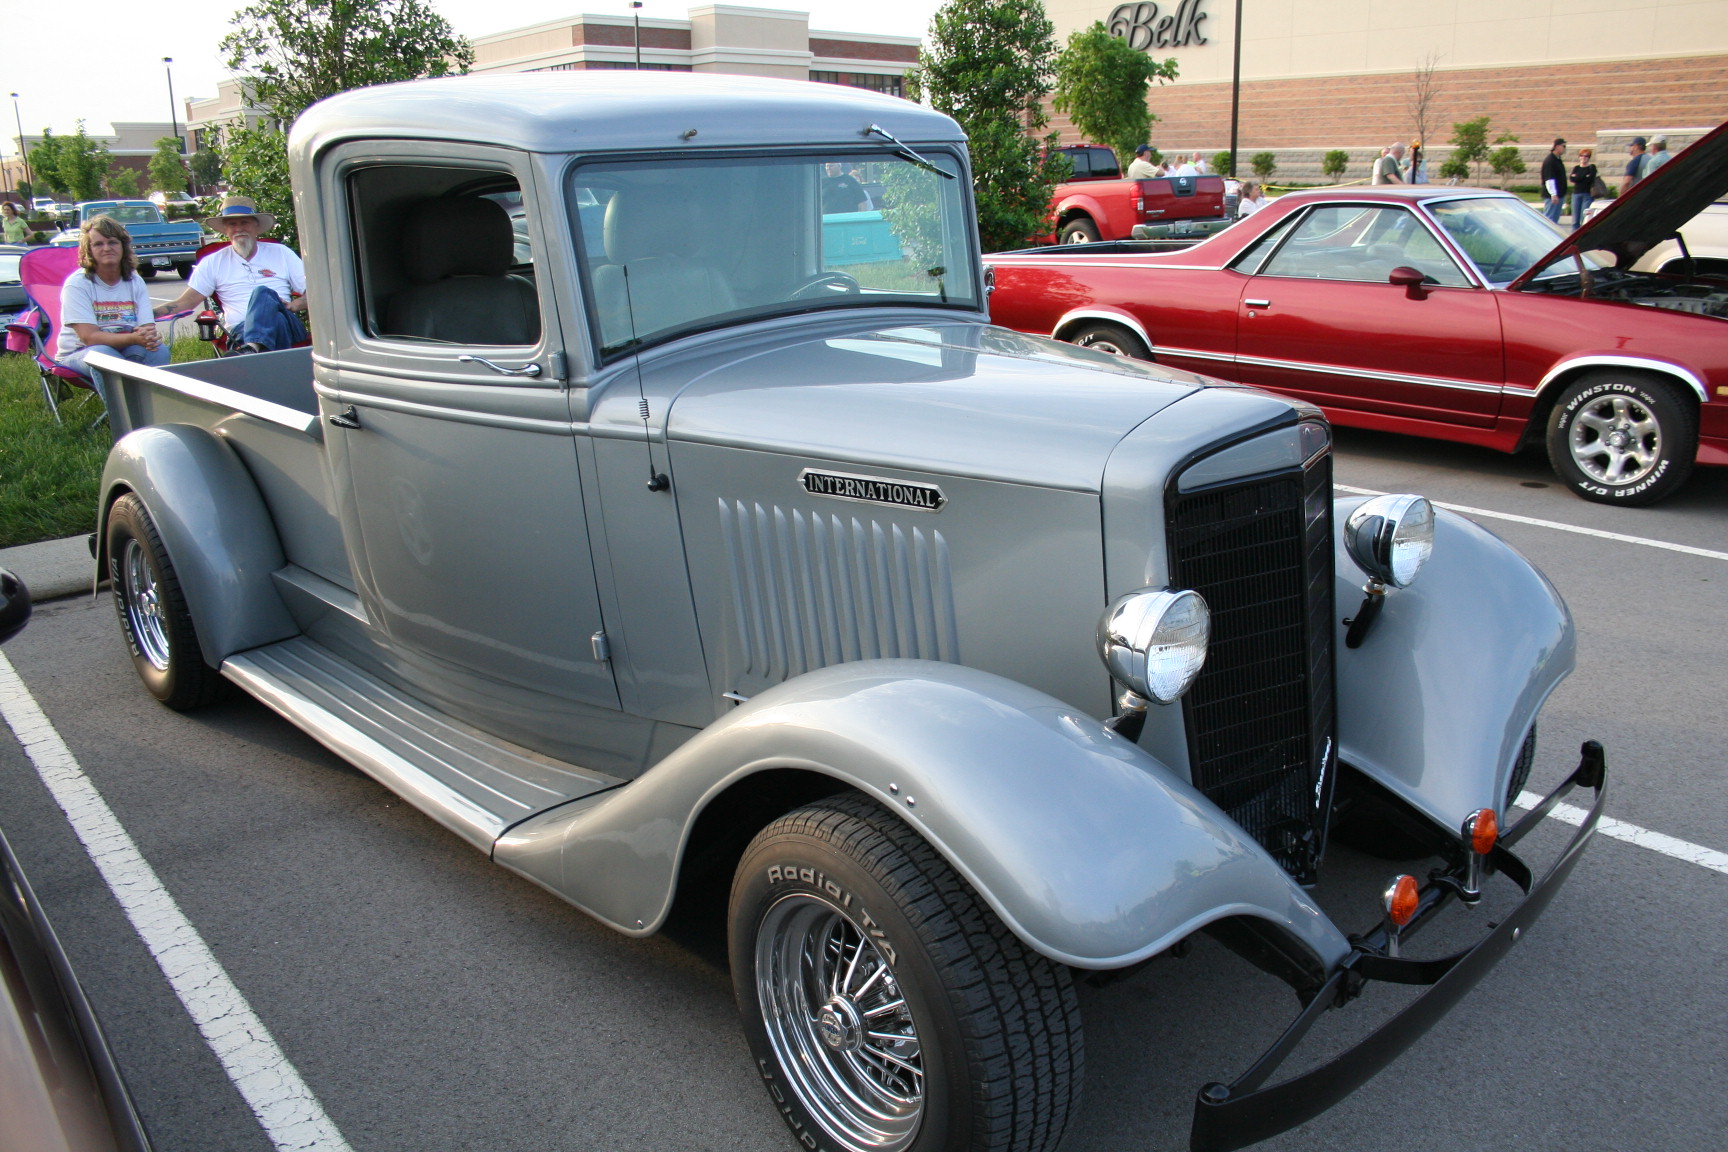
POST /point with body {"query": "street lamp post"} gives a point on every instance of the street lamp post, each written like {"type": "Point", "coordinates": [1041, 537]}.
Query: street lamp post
{"type": "Point", "coordinates": [636, 19]}
{"type": "Point", "coordinates": [1236, 92]}
{"type": "Point", "coordinates": [173, 112]}
{"type": "Point", "coordinates": [23, 152]}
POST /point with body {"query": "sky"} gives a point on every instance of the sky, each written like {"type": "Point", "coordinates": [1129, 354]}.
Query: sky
{"type": "Point", "coordinates": [122, 76]}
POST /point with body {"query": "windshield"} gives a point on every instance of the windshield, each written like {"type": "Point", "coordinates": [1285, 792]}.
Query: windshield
{"type": "Point", "coordinates": [9, 268]}
{"type": "Point", "coordinates": [124, 213]}
{"type": "Point", "coordinates": [1501, 236]}
{"type": "Point", "coordinates": [677, 245]}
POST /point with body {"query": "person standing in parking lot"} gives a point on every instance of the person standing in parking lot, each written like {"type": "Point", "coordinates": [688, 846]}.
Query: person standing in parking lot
{"type": "Point", "coordinates": [1635, 160]}
{"type": "Point", "coordinates": [13, 227]}
{"type": "Point", "coordinates": [1583, 185]}
{"type": "Point", "coordinates": [1554, 181]}
{"type": "Point", "coordinates": [1389, 169]}
{"type": "Point", "coordinates": [1141, 167]}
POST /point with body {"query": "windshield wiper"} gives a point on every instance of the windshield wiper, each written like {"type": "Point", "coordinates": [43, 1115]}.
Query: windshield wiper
{"type": "Point", "coordinates": [904, 152]}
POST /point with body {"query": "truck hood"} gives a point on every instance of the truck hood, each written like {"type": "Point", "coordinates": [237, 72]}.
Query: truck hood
{"type": "Point", "coordinates": [959, 399]}
{"type": "Point", "coordinates": [1655, 210]}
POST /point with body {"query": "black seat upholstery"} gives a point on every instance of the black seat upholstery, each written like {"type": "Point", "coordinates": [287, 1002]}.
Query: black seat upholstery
{"type": "Point", "coordinates": [456, 255]}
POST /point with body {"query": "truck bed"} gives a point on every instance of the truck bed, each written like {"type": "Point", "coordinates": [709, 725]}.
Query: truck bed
{"type": "Point", "coordinates": [265, 408]}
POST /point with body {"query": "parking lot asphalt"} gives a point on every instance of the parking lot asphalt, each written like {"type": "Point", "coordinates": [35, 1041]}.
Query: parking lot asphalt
{"type": "Point", "coordinates": [430, 1000]}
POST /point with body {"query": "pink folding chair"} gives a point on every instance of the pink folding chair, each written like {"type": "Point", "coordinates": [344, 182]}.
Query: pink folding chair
{"type": "Point", "coordinates": [43, 271]}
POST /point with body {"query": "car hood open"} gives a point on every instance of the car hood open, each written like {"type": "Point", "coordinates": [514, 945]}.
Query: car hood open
{"type": "Point", "coordinates": [1656, 208]}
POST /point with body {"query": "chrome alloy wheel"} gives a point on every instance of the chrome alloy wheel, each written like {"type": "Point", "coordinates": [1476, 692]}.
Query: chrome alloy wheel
{"type": "Point", "coordinates": [143, 600]}
{"type": "Point", "coordinates": [1616, 440]}
{"type": "Point", "coordinates": [841, 1030]}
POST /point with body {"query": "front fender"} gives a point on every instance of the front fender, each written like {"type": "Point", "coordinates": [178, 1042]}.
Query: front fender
{"type": "Point", "coordinates": [1089, 850]}
{"type": "Point", "coordinates": [216, 528]}
{"type": "Point", "coordinates": [1438, 700]}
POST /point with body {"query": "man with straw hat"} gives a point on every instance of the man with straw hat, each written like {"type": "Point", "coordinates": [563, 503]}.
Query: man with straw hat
{"type": "Point", "coordinates": [260, 283]}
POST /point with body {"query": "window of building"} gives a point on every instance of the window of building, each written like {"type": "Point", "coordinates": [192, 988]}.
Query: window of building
{"type": "Point", "coordinates": [892, 85]}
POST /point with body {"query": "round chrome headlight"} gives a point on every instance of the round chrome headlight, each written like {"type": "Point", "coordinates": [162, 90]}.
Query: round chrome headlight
{"type": "Point", "coordinates": [1390, 537]}
{"type": "Point", "coordinates": [1154, 641]}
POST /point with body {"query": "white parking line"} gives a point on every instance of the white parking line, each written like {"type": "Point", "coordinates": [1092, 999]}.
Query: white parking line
{"type": "Point", "coordinates": [291, 1116]}
{"type": "Point", "coordinates": [1556, 525]}
{"type": "Point", "coordinates": [1632, 834]}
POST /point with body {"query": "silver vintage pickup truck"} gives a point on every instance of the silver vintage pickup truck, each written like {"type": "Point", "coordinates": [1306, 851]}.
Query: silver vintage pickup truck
{"type": "Point", "coordinates": [667, 526]}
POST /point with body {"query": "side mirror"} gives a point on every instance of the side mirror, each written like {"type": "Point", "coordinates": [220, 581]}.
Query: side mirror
{"type": "Point", "coordinates": [14, 605]}
{"type": "Point", "coordinates": [1409, 279]}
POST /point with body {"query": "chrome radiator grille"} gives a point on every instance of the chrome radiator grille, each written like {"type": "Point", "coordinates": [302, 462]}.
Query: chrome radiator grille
{"type": "Point", "coordinates": [1261, 715]}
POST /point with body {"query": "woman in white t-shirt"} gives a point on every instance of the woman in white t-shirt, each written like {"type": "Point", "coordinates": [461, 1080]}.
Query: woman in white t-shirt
{"type": "Point", "coordinates": [105, 304]}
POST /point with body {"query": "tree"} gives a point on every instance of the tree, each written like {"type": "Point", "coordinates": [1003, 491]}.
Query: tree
{"type": "Point", "coordinates": [1265, 163]}
{"type": "Point", "coordinates": [74, 165]}
{"type": "Point", "coordinates": [45, 162]}
{"type": "Point", "coordinates": [206, 165]}
{"type": "Point", "coordinates": [1506, 162]}
{"type": "Point", "coordinates": [167, 170]}
{"type": "Point", "coordinates": [1424, 91]}
{"type": "Point", "coordinates": [1469, 146]}
{"type": "Point", "coordinates": [987, 64]}
{"type": "Point", "coordinates": [1101, 85]}
{"type": "Point", "coordinates": [1455, 169]}
{"type": "Point", "coordinates": [1224, 163]}
{"type": "Point", "coordinates": [26, 193]}
{"type": "Point", "coordinates": [1333, 164]}
{"type": "Point", "coordinates": [297, 52]}
{"type": "Point", "coordinates": [123, 184]}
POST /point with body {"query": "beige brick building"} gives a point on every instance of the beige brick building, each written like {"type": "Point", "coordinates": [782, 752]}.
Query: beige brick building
{"type": "Point", "coordinates": [715, 38]}
{"type": "Point", "coordinates": [1323, 74]}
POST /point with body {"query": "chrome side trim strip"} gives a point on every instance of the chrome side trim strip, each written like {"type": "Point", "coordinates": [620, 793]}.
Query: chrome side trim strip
{"type": "Point", "coordinates": [1666, 367]}
{"type": "Point", "coordinates": [1369, 374]}
{"type": "Point", "coordinates": [1196, 354]}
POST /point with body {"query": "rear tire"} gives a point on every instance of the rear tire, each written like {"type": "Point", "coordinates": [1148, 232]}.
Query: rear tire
{"type": "Point", "coordinates": [1080, 230]}
{"type": "Point", "coordinates": [146, 273]}
{"type": "Point", "coordinates": [887, 1008]}
{"type": "Point", "coordinates": [1622, 437]}
{"type": "Point", "coordinates": [184, 271]}
{"type": "Point", "coordinates": [153, 614]}
{"type": "Point", "coordinates": [1115, 339]}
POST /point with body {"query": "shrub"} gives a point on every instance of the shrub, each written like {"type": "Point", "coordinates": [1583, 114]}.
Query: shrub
{"type": "Point", "coordinates": [1265, 164]}
{"type": "Point", "coordinates": [1334, 163]}
{"type": "Point", "coordinates": [1223, 164]}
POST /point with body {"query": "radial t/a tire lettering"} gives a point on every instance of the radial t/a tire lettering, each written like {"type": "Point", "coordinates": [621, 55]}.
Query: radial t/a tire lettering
{"type": "Point", "coordinates": [888, 1009]}
{"type": "Point", "coordinates": [153, 613]}
{"type": "Point", "coordinates": [1622, 437]}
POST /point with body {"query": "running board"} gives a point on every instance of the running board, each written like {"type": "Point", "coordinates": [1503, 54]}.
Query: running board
{"type": "Point", "coordinates": [474, 784]}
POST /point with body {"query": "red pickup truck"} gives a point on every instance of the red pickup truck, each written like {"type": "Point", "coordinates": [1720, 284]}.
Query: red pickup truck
{"type": "Point", "coordinates": [1096, 204]}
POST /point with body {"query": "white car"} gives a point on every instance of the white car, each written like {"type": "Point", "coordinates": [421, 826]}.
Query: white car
{"type": "Point", "coordinates": [1704, 238]}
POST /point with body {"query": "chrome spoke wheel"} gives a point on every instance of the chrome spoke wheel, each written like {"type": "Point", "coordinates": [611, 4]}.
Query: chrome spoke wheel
{"type": "Point", "coordinates": [1616, 440]}
{"type": "Point", "coordinates": [838, 1024]}
{"type": "Point", "coordinates": [143, 600]}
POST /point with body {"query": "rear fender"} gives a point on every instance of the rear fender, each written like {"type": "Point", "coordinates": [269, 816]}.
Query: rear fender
{"type": "Point", "coordinates": [1438, 700]}
{"type": "Point", "coordinates": [215, 526]}
{"type": "Point", "coordinates": [1105, 312]}
{"type": "Point", "coordinates": [1089, 850]}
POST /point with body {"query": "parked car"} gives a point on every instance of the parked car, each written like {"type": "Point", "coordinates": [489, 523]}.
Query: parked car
{"type": "Point", "coordinates": [158, 243]}
{"type": "Point", "coordinates": [1435, 311]}
{"type": "Point", "coordinates": [1700, 247]}
{"type": "Point", "coordinates": [59, 1081]}
{"type": "Point", "coordinates": [1095, 207]}
{"type": "Point", "coordinates": [12, 297]}
{"type": "Point", "coordinates": [168, 201]}
{"type": "Point", "coordinates": [695, 560]}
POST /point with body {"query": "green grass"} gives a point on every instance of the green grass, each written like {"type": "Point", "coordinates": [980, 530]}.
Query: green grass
{"type": "Point", "coordinates": [49, 472]}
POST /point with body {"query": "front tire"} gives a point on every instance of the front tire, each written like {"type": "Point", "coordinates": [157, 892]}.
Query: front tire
{"type": "Point", "coordinates": [184, 271]}
{"type": "Point", "coordinates": [146, 272]}
{"type": "Point", "coordinates": [1080, 230]}
{"type": "Point", "coordinates": [1112, 338]}
{"type": "Point", "coordinates": [153, 613]}
{"type": "Point", "coordinates": [888, 1009]}
{"type": "Point", "coordinates": [1619, 437]}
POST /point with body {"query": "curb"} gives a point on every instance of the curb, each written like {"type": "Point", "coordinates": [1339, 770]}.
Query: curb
{"type": "Point", "coordinates": [52, 569]}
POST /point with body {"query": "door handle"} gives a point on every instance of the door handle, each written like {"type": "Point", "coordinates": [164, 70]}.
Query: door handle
{"type": "Point", "coordinates": [347, 418]}
{"type": "Point", "coordinates": [530, 369]}
{"type": "Point", "coordinates": [1258, 303]}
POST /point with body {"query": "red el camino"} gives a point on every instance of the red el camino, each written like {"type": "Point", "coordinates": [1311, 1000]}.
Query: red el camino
{"type": "Point", "coordinates": [1455, 313]}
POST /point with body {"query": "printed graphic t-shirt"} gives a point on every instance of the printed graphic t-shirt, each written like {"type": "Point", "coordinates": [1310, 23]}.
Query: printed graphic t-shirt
{"type": "Point", "coordinates": [226, 275]}
{"type": "Point", "coordinates": [85, 299]}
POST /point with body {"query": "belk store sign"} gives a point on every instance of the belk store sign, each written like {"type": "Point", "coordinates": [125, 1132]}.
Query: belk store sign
{"type": "Point", "coordinates": [1148, 26]}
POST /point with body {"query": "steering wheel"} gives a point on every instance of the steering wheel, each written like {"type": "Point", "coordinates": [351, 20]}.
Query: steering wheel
{"type": "Point", "coordinates": [825, 284]}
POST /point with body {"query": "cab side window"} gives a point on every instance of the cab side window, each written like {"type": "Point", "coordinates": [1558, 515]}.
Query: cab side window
{"type": "Point", "coordinates": [1356, 242]}
{"type": "Point", "coordinates": [444, 256]}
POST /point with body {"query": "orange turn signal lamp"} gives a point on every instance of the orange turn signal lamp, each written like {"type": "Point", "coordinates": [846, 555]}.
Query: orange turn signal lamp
{"type": "Point", "coordinates": [1401, 899]}
{"type": "Point", "coordinates": [1482, 832]}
